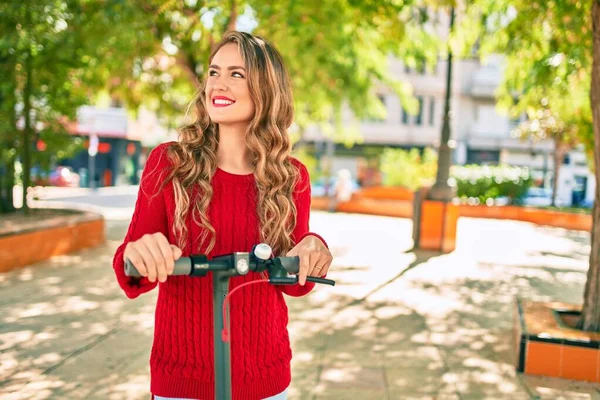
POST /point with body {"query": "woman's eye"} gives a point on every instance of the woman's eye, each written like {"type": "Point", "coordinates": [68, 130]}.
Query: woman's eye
{"type": "Point", "coordinates": [212, 73]}
{"type": "Point", "coordinates": [238, 74]}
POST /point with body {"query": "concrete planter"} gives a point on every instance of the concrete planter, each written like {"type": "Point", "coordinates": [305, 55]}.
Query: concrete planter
{"type": "Point", "coordinates": [24, 245]}
{"type": "Point", "coordinates": [545, 342]}
{"type": "Point", "coordinates": [398, 202]}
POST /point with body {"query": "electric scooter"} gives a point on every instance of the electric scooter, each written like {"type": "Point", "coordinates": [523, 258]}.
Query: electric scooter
{"type": "Point", "coordinates": [280, 271]}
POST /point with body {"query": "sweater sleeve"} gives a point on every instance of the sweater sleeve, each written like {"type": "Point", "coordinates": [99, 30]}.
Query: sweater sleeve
{"type": "Point", "coordinates": [149, 216]}
{"type": "Point", "coordinates": [302, 199]}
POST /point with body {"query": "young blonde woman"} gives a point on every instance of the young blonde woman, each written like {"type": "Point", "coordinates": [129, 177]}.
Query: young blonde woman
{"type": "Point", "coordinates": [226, 185]}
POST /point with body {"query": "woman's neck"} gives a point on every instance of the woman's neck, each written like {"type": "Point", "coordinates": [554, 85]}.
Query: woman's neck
{"type": "Point", "coordinates": [233, 155]}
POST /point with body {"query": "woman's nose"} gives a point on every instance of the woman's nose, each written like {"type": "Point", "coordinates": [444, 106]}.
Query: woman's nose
{"type": "Point", "coordinates": [219, 84]}
{"type": "Point", "coordinates": [220, 87]}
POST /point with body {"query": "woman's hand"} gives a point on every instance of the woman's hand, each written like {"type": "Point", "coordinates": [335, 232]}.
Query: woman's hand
{"type": "Point", "coordinates": [315, 258]}
{"type": "Point", "coordinates": [152, 256]}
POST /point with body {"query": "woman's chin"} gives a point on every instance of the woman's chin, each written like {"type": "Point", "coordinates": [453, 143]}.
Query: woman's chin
{"type": "Point", "coordinates": [220, 120]}
{"type": "Point", "coordinates": [225, 121]}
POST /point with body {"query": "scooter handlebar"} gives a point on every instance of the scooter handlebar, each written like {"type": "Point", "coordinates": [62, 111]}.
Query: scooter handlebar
{"type": "Point", "coordinates": [183, 266]}
{"type": "Point", "coordinates": [291, 265]}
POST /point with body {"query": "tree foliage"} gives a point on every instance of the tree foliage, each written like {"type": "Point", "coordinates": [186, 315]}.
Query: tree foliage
{"type": "Point", "coordinates": [548, 55]}
{"type": "Point", "coordinates": [154, 53]}
{"type": "Point", "coordinates": [408, 168]}
{"type": "Point", "coordinates": [552, 52]}
{"type": "Point", "coordinates": [337, 52]}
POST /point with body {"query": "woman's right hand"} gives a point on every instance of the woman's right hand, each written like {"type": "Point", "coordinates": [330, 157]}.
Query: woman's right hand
{"type": "Point", "coordinates": [153, 256]}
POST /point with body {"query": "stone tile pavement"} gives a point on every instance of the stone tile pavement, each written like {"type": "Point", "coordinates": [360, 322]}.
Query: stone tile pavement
{"type": "Point", "coordinates": [398, 325]}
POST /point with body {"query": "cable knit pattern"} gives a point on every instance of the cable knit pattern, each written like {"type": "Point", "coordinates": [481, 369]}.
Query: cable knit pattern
{"type": "Point", "coordinates": [181, 361]}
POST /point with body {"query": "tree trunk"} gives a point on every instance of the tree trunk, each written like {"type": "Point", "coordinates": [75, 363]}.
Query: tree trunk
{"type": "Point", "coordinates": [27, 134]}
{"type": "Point", "coordinates": [590, 317]}
{"type": "Point", "coordinates": [189, 68]}
{"type": "Point", "coordinates": [7, 181]}
{"type": "Point", "coordinates": [8, 139]}
{"type": "Point", "coordinates": [559, 154]}
{"type": "Point", "coordinates": [232, 20]}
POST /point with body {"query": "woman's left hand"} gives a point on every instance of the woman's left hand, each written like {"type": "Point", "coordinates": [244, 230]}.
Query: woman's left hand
{"type": "Point", "coordinates": [315, 258]}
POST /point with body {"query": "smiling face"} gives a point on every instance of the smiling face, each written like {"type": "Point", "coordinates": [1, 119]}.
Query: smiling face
{"type": "Point", "coordinates": [228, 99]}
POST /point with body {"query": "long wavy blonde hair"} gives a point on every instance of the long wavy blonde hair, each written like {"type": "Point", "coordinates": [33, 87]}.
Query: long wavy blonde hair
{"type": "Point", "coordinates": [194, 157]}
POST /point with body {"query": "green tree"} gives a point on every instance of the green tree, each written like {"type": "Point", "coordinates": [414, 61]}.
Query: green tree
{"type": "Point", "coordinates": [544, 124]}
{"type": "Point", "coordinates": [337, 52]}
{"type": "Point", "coordinates": [154, 53]}
{"type": "Point", "coordinates": [552, 51]}
{"type": "Point", "coordinates": [51, 52]}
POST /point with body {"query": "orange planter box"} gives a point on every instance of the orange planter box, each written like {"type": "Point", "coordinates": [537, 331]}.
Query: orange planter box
{"type": "Point", "coordinates": [573, 221]}
{"type": "Point", "coordinates": [398, 202]}
{"type": "Point", "coordinates": [545, 345]}
{"type": "Point", "coordinates": [319, 203]}
{"type": "Point", "coordinates": [438, 222]}
{"type": "Point", "coordinates": [386, 193]}
{"type": "Point", "coordinates": [390, 208]}
{"type": "Point", "coordinates": [21, 249]}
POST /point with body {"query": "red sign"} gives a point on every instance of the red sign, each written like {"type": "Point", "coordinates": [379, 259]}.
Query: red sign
{"type": "Point", "coordinates": [102, 147]}
{"type": "Point", "coordinates": [131, 149]}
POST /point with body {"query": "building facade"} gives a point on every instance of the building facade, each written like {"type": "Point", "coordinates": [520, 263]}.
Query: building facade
{"type": "Point", "coordinates": [480, 132]}
{"type": "Point", "coordinates": [112, 153]}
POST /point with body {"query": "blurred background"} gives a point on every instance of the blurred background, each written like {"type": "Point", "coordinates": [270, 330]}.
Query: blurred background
{"type": "Point", "coordinates": [90, 87]}
{"type": "Point", "coordinates": [484, 103]}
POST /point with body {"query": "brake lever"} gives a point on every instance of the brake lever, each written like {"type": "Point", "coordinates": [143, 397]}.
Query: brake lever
{"type": "Point", "coordinates": [293, 280]}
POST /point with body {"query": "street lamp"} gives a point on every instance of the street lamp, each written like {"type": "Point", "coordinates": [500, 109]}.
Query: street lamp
{"type": "Point", "coordinates": [441, 190]}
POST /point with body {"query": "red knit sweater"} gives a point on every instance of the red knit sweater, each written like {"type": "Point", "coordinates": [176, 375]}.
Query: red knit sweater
{"type": "Point", "coordinates": [181, 361]}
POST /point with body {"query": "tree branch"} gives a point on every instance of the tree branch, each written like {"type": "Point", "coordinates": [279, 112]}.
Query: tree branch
{"type": "Point", "coordinates": [188, 64]}
{"type": "Point", "coordinates": [231, 21]}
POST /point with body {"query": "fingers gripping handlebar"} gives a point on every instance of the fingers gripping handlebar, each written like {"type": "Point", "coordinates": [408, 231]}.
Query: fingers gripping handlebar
{"type": "Point", "coordinates": [281, 270]}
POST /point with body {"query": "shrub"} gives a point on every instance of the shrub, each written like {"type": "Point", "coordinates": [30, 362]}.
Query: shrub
{"type": "Point", "coordinates": [490, 182]}
{"type": "Point", "coordinates": [408, 168]}
{"type": "Point", "coordinates": [413, 169]}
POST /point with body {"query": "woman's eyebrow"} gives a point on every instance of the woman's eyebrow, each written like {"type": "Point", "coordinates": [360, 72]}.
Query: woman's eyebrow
{"type": "Point", "coordinates": [229, 68]}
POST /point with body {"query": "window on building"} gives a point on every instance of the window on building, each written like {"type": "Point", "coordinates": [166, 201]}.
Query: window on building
{"type": "Point", "coordinates": [381, 98]}
{"type": "Point", "coordinates": [483, 156]}
{"type": "Point", "coordinates": [116, 102]}
{"type": "Point", "coordinates": [516, 121]}
{"type": "Point", "coordinates": [432, 111]}
{"type": "Point", "coordinates": [404, 116]}
{"type": "Point", "coordinates": [419, 117]}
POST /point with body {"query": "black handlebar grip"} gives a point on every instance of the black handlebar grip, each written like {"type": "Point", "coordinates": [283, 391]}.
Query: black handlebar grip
{"type": "Point", "coordinates": [130, 270]}
{"type": "Point", "coordinates": [183, 266]}
{"type": "Point", "coordinates": [320, 280]}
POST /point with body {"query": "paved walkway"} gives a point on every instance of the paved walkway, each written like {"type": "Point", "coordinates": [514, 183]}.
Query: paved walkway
{"type": "Point", "coordinates": [398, 325]}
